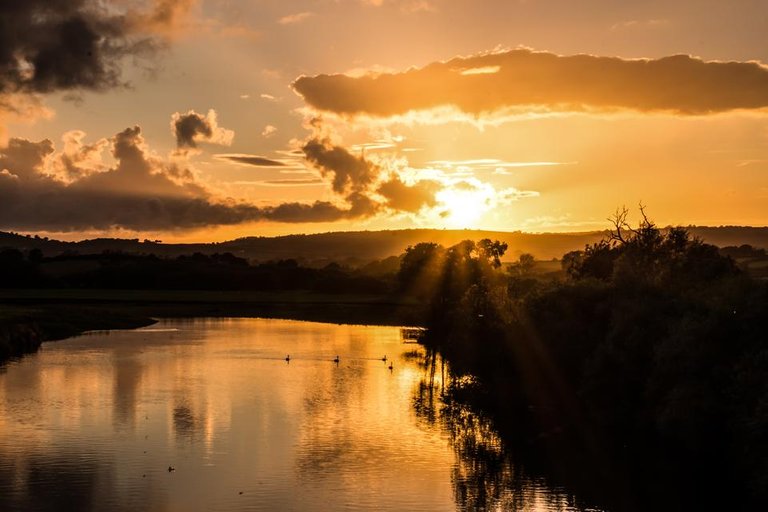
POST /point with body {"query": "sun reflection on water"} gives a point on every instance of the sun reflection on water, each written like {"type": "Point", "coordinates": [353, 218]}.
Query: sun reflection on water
{"type": "Point", "coordinates": [108, 414]}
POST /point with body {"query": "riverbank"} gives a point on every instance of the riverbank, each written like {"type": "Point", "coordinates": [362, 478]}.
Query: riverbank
{"type": "Point", "coordinates": [23, 328]}
{"type": "Point", "coordinates": [29, 317]}
{"type": "Point", "coordinates": [18, 336]}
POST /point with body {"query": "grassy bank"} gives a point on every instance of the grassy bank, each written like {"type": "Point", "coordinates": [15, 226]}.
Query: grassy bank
{"type": "Point", "coordinates": [116, 307]}
{"type": "Point", "coordinates": [23, 327]}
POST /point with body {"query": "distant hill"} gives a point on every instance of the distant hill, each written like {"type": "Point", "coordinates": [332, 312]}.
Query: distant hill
{"type": "Point", "coordinates": [362, 246]}
{"type": "Point", "coordinates": [724, 236]}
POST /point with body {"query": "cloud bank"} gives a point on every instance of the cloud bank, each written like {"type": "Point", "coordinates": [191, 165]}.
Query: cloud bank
{"type": "Point", "coordinates": [70, 190]}
{"type": "Point", "coordinates": [75, 189]}
{"type": "Point", "coordinates": [523, 81]}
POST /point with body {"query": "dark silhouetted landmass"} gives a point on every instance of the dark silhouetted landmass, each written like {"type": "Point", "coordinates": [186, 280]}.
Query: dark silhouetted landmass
{"type": "Point", "coordinates": [369, 262]}
{"type": "Point", "coordinates": [641, 345]}
{"type": "Point", "coordinates": [359, 247]}
{"type": "Point", "coordinates": [117, 270]}
{"type": "Point", "coordinates": [18, 336]}
{"type": "Point", "coordinates": [650, 355]}
{"type": "Point", "coordinates": [47, 298]}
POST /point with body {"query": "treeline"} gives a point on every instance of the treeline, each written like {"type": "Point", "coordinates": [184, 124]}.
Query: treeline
{"type": "Point", "coordinates": [654, 341]}
{"type": "Point", "coordinates": [751, 259]}
{"type": "Point", "coordinates": [117, 270]}
{"type": "Point", "coordinates": [743, 251]}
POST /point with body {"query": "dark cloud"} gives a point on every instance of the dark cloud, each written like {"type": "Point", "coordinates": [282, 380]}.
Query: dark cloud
{"type": "Point", "coordinates": [75, 45]}
{"type": "Point", "coordinates": [351, 176]}
{"type": "Point", "coordinates": [50, 45]}
{"type": "Point", "coordinates": [409, 198]}
{"type": "Point", "coordinates": [139, 192]}
{"type": "Point", "coordinates": [191, 128]}
{"type": "Point", "coordinates": [255, 160]}
{"type": "Point", "coordinates": [350, 173]}
{"type": "Point", "coordinates": [319, 211]}
{"type": "Point", "coordinates": [360, 179]}
{"type": "Point", "coordinates": [522, 80]}
{"type": "Point", "coordinates": [70, 190]}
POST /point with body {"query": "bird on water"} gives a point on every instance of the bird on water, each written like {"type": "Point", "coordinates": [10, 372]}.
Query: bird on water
{"type": "Point", "coordinates": [336, 360]}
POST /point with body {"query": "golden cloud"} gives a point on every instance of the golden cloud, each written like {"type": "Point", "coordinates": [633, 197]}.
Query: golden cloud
{"type": "Point", "coordinates": [523, 80]}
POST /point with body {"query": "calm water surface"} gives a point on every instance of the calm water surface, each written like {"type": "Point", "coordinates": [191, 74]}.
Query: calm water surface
{"type": "Point", "coordinates": [94, 422]}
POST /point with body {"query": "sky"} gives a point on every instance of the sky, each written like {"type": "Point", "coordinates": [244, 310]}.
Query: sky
{"type": "Point", "coordinates": [206, 120]}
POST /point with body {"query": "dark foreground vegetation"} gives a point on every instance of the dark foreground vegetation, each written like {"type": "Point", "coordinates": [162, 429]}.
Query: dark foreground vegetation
{"type": "Point", "coordinates": [653, 350]}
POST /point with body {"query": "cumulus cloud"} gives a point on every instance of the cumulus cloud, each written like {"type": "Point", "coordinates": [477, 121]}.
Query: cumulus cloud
{"type": "Point", "coordinates": [192, 128]}
{"type": "Point", "coordinates": [74, 189]}
{"type": "Point", "coordinates": [138, 192]}
{"type": "Point", "coordinates": [349, 173]}
{"type": "Point", "coordinates": [78, 158]}
{"type": "Point", "coordinates": [522, 80]}
{"type": "Point", "coordinates": [365, 183]}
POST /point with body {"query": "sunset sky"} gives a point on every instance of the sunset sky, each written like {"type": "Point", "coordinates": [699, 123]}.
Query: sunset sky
{"type": "Point", "coordinates": [207, 120]}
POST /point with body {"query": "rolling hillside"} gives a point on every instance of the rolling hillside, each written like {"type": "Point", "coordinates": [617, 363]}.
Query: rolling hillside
{"type": "Point", "coordinates": [363, 246]}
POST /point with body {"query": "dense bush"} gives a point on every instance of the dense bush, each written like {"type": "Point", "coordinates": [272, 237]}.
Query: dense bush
{"type": "Point", "coordinates": [654, 339]}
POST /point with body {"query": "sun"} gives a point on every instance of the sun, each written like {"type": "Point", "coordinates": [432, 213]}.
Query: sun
{"type": "Point", "coordinates": [463, 207]}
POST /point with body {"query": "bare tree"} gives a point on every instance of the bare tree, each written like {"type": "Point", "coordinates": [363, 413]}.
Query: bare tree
{"type": "Point", "coordinates": [622, 232]}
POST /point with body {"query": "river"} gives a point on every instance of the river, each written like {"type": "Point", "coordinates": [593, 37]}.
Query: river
{"type": "Point", "coordinates": [207, 414]}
